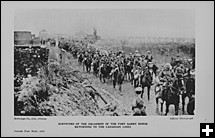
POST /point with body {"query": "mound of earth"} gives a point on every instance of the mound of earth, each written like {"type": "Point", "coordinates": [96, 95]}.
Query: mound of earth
{"type": "Point", "coordinates": [58, 90]}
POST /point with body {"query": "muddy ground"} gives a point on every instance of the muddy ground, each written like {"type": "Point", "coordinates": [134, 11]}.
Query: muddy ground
{"type": "Point", "coordinates": [128, 94]}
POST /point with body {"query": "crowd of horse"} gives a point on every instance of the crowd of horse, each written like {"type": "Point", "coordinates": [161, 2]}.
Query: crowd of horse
{"type": "Point", "coordinates": [139, 70]}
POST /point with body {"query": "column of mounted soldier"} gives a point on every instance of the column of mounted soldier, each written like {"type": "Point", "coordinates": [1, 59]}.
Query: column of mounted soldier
{"type": "Point", "coordinates": [172, 81]}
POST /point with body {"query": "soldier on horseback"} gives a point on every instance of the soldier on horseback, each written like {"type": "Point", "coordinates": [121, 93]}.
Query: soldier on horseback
{"type": "Point", "coordinates": [138, 106]}
{"type": "Point", "coordinates": [179, 72]}
{"type": "Point", "coordinates": [191, 90]}
{"type": "Point", "coordinates": [166, 75]}
{"type": "Point", "coordinates": [149, 57]}
{"type": "Point", "coordinates": [114, 74]}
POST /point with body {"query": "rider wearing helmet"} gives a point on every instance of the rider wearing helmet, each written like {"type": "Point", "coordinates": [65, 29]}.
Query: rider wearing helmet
{"type": "Point", "coordinates": [149, 57]}
{"type": "Point", "coordinates": [178, 59]}
{"type": "Point", "coordinates": [151, 67]}
{"type": "Point", "coordinates": [138, 106]}
{"type": "Point", "coordinates": [166, 75]}
{"type": "Point", "coordinates": [179, 72]}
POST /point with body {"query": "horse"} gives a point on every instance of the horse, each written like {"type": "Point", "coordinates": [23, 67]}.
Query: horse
{"type": "Point", "coordinates": [80, 58]}
{"type": "Point", "coordinates": [102, 72]}
{"type": "Point", "coordinates": [154, 68]}
{"type": "Point", "coordinates": [128, 67]}
{"type": "Point", "coordinates": [74, 52]}
{"type": "Point", "coordinates": [120, 79]}
{"type": "Point", "coordinates": [114, 74]}
{"type": "Point", "coordinates": [191, 106]}
{"type": "Point", "coordinates": [87, 63]}
{"type": "Point", "coordinates": [146, 81]}
{"type": "Point", "coordinates": [189, 90]}
{"type": "Point", "coordinates": [135, 77]}
{"type": "Point", "coordinates": [171, 95]}
{"type": "Point", "coordinates": [108, 70]}
{"type": "Point", "coordinates": [95, 65]}
{"type": "Point", "coordinates": [117, 77]}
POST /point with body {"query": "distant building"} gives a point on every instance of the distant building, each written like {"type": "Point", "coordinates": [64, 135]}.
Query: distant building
{"type": "Point", "coordinates": [22, 38]}
{"type": "Point", "coordinates": [43, 34]}
{"type": "Point", "coordinates": [80, 34]}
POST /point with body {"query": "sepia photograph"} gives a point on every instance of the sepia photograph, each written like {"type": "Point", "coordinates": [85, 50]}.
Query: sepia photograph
{"type": "Point", "coordinates": [107, 69]}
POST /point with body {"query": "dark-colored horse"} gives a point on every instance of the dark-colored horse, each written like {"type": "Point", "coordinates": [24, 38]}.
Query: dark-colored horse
{"type": "Point", "coordinates": [154, 68]}
{"type": "Point", "coordinates": [80, 58]}
{"type": "Point", "coordinates": [128, 67]}
{"type": "Point", "coordinates": [190, 89]}
{"type": "Point", "coordinates": [117, 77]}
{"type": "Point", "coordinates": [87, 63]}
{"type": "Point", "coordinates": [120, 78]}
{"type": "Point", "coordinates": [146, 81]}
{"type": "Point", "coordinates": [108, 70]}
{"type": "Point", "coordinates": [95, 67]}
{"type": "Point", "coordinates": [74, 52]}
{"type": "Point", "coordinates": [191, 106]}
{"type": "Point", "coordinates": [102, 72]}
{"type": "Point", "coordinates": [171, 95]}
{"type": "Point", "coordinates": [114, 75]}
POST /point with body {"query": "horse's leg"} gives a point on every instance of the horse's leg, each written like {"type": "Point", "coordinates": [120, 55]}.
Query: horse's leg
{"type": "Point", "coordinates": [120, 87]}
{"type": "Point", "coordinates": [148, 88]}
{"type": "Point", "coordinates": [183, 102]}
{"type": "Point", "coordinates": [142, 92]}
{"type": "Point", "coordinates": [96, 73]}
{"type": "Point", "coordinates": [157, 101]}
{"type": "Point", "coordinates": [114, 83]}
{"type": "Point", "coordinates": [129, 76]}
{"type": "Point", "coordinates": [131, 80]}
{"type": "Point", "coordinates": [104, 79]}
{"type": "Point", "coordinates": [176, 108]}
{"type": "Point", "coordinates": [126, 75]}
{"type": "Point", "coordinates": [167, 108]}
{"type": "Point", "coordinates": [156, 104]}
{"type": "Point", "coordinates": [100, 77]}
{"type": "Point", "coordinates": [87, 68]}
{"type": "Point", "coordinates": [162, 108]}
{"type": "Point", "coordinates": [83, 67]}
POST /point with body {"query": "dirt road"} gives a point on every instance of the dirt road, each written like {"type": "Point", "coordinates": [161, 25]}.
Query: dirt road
{"type": "Point", "coordinates": [127, 95]}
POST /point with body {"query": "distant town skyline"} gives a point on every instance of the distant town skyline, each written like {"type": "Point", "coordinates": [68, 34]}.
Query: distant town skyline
{"type": "Point", "coordinates": [109, 23]}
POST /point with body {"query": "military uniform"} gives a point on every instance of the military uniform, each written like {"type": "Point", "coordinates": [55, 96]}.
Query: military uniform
{"type": "Point", "coordinates": [166, 75]}
{"type": "Point", "coordinates": [138, 106]}
{"type": "Point", "coordinates": [149, 57]}
{"type": "Point", "coordinates": [179, 72]}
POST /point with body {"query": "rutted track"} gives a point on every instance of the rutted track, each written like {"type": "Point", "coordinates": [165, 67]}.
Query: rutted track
{"type": "Point", "coordinates": [125, 98]}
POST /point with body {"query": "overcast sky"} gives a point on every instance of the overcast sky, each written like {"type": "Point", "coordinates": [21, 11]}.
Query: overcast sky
{"type": "Point", "coordinates": [109, 23]}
